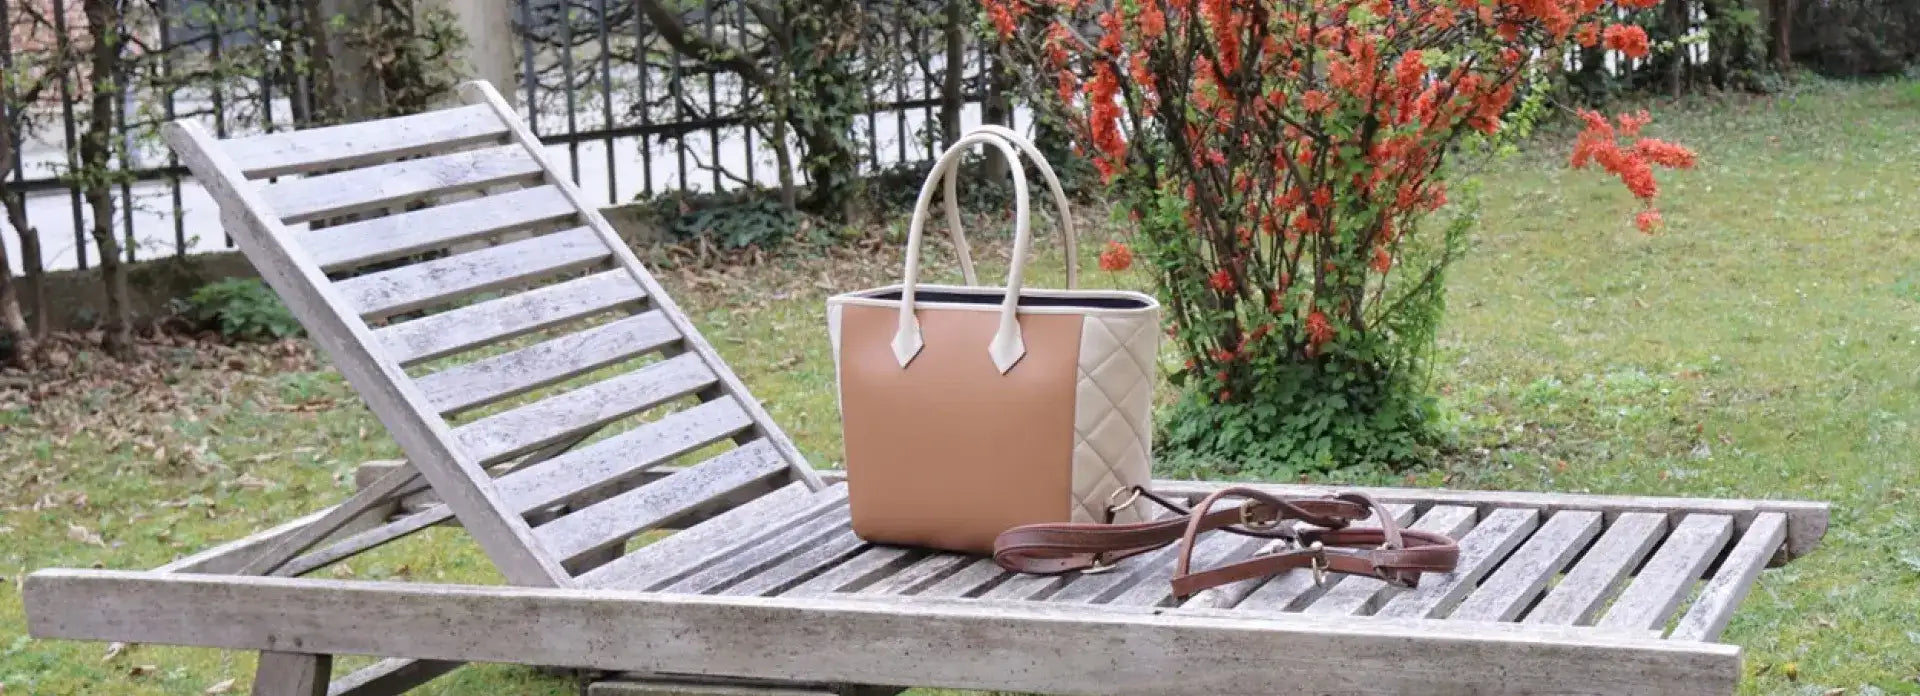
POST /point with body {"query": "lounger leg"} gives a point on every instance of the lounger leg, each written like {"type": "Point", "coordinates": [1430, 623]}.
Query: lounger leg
{"type": "Point", "coordinates": [292, 674]}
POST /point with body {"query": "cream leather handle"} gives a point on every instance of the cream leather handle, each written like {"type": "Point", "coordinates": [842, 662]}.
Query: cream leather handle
{"type": "Point", "coordinates": [1059, 203]}
{"type": "Point", "coordinates": [1007, 346]}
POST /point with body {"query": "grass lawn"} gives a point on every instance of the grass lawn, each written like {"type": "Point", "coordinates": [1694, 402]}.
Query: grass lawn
{"type": "Point", "coordinates": [1766, 345]}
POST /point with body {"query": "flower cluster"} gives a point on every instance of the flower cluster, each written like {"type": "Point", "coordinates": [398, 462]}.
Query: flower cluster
{"type": "Point", "coordinates": [1599, 144]}
{"type": "Point", "coordinates": [1260, 141]}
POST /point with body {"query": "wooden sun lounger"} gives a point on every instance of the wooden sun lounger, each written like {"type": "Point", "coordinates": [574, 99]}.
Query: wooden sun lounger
{"type": "Point", "coordinates": [764, 588]}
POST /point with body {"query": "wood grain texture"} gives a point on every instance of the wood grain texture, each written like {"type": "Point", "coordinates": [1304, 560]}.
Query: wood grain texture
{"type": "Point", "coordinates": [1806, 521]}
{"type": "Point", "coordinates": [295, 201]}
{"type": "Point", "coordinates": [387, 488]}
{"type": "Point", "coordinates": [393, 236]}
{"type": "Point", "coordinates": [440, 281]}
{"type": "Point", "coordinates": [291, 674]}
{"type": "Point", "coordinates": [745, 560]}
{"type": "Point", "coordinates": [1083, 588]}
{"type": "Point", "coordinates": [470, 385]}
{"type": "Point", "coordinates": [689, 551]}
{"type": "Point", "coordinates": [1480, 551]}
{"type": "Point", "coordinates": [615, 519]}
{"type": "Point", "coordinates": [862, 570]}
{"type": "Point", "coordinates": [1290, 584]}
{"type": "Point", "coordinates": [1030, 647]}
{"type": "Point", "coordinates": [480, 92]}
{"type": "Point", "coordinates": [619, 461]}
{"type": "Point", "coordinates": [1660, 585]}
{"type": "Point", "coordinates": [496, 320]}
{"type": "Point", "coordinates": [1156, 589]}
{"type": "Point", "coordinates": [919, 575]}
{"type": "Point", "coordinates": [1594, 578]}
{"type": "Point", "coordinates": [361, 144]}
{"type": "Point", "coordinates": [505, 435]}
{"type": "Point", "coordinates": [973, 578]}
{"type": "Point", "coordinates": [227, 558]}
{"type": "Point", "coordinates": [1715, 606]}
{"type": "Point", "coordinates": [425, 438]}
{"type": "Point", "coordinates": [1344, 595]}
{"type": "Point", "coordinates": [1525, 573]}
{"type": "Point", "coordinates": [798, 567]}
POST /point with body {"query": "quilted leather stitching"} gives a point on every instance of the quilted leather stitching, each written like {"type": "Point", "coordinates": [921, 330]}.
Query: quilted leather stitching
{"type": "Point", "coordinates": [1113, 411]}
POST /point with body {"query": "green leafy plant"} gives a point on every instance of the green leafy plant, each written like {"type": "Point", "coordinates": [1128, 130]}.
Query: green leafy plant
{"type": "Point", "coordinates": [242, 309]}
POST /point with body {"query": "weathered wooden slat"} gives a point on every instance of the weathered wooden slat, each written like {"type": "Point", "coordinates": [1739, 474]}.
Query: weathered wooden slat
{"type": "Point", "coordinates": [1508, 591]}
{"type": "Point", "coordinates": [369, 142]}
{"type": "Point", "coordinates": [1665, 580]}
{"type": "Point", "coordinates": [481, 382]}
{"type": "Point", "coordinates": [874, 563]}
{"type": "Point", "coordinates": [663, 688]}
{"type": "Point", "coordinates": [442, 280]}
{"type": "Point", "coordinates": [975, 577]}
{"type": "Point", "coordinates": [745, 560]}
{"type": "Point", "coordinates": [617, 518]}
{"type": "Point", "coordinates": [1211, 550]}
{"type": "Point", "coordinates": [799, 567]}
{"type": "Point", "coordinates": [1806, 521]}
{"type": "Point", "coordinates": [399, 183]}
{"type": "Point", "coordinates": [412, 232]}
{"type": "Point", "coordinates": [481, 92]}
{"type": "Point", "coordinates": [920, 575]}
{"type": "Point", "coordinates": [1480, 551]}
{"type": "Point", "coordinates": [229, 557]}
{"type": "Point", "coordinates": [1592, 580]}
{"type": "Point", "coordinates": [291, 674]}
{"type": "Point", "coordinates": [391, 677]}
{"type": "Point", "coordinates": [647, 565]}
{"type": "Point", "coordinates": [1345, 595]}
{"type": "Point", "coordinates": [1097, 587]}
{"type": "Point", "coordinates": [1025, 647]}
{"type": "Point", "coordinates": [1025, 586]}
{"type": "Point", "coordinates": [504, 435]}
{"type": "Point", "coordinates": [1291, 583]}
{"type": "Point", "coordinates": [1714, 607]}
{"type": "Point", "coordinates": [387, 390]}
{"type": "Point", "coordinates": [499, 319]}
{"type": "Point", "coordinates": [381, 491]}
{"type": "Point", "coordinates": [616, 462]}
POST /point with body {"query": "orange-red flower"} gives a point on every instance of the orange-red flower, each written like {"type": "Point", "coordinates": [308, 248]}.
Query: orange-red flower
{"type": "Point", "coordinates": [1221, 280]}
{"type": "Point", "coordinates": [1116, 258]}
{"type": "Point", "coordinates": [1319, 330]}
{"type": "Point", "coordinates": [1648, 220]}
{"type": "Point", "coordinates": [1628, 39]}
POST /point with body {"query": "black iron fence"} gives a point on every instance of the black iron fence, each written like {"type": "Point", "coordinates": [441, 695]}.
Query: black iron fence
{"type": "Point", "coordinates": [632, 114]}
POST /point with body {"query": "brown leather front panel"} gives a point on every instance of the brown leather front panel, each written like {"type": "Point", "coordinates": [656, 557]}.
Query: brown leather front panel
{"type": "Point", "coordinates": [948, 453]}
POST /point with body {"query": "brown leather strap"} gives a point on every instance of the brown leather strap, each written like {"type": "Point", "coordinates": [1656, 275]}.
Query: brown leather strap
{"type": "Point", "coordinates": [1388, 552]}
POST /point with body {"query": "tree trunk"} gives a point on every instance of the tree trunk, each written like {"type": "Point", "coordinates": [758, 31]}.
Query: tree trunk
{"type": "Point", "coordinates": [952, 96]}
{"type": "Point", "coordinates": [13, 326]}
{"type": "Point", "coordinates": [103, 23]}
{"type": "Point", "coordinates": [822, 67]}
{"type": "Point", "coordinates": [1781, 46]}
{"type": "Point", "coordinates": [998, 109]}
{"type": "Point", "coordinates": [1677, 21]}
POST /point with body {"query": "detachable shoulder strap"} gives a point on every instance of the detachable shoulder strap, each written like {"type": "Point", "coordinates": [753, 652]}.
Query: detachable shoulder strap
{"type": "Point", "coordinates": [1326, 544]}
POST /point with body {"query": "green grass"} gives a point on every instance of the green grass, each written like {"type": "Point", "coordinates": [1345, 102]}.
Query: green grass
{"type": "Point", "coordinates": [1767, 344]}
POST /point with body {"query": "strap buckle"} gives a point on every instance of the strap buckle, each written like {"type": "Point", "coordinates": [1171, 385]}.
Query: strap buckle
{"type": "Point", "coordinates": [1319, 564]}
{"type": "Point", "coordinates": [1248, 520]}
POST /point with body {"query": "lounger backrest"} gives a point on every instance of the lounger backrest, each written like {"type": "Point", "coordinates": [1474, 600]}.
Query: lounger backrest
{"type": "Point", "coordinates": [458, 353]}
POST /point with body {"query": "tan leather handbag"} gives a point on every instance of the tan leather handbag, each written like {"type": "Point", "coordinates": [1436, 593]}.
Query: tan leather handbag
{"type": "Point", "coordinates": [971, 410]}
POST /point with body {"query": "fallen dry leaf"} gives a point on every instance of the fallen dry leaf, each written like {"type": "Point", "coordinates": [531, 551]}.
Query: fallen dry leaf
{"type": "Point", "coordinates": [251, 482]}
{"type": "Point", "coordinates": [113, 651]}
{"type": "Point", "coordinates": [219, 688]}
{"type": "Point", "coordinates": [142, 670]}
{"type": "Point", "coordinates": [84, 535]}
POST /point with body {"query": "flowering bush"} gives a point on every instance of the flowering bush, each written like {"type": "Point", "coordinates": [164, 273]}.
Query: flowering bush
{"type": "Point", "coordinates": [1278, 158]}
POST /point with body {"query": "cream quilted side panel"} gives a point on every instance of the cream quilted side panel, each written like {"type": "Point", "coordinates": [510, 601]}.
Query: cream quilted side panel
{"type": "Point", "coordinates": [1113, 421]}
